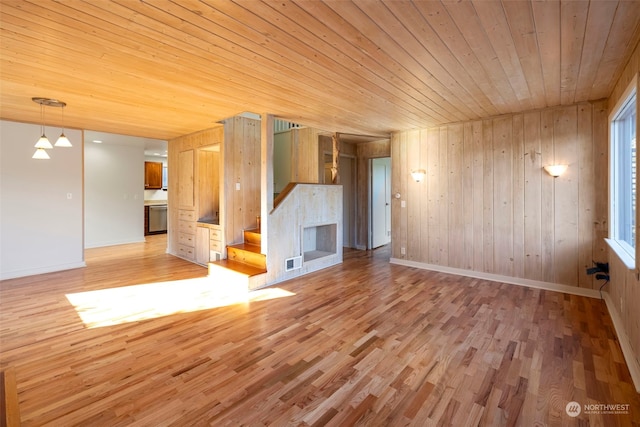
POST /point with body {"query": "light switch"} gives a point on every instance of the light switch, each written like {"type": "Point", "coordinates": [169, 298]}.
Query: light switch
{"type": "Point", "coordinates": [69, 196]}
{"type": "Point", "coordinates": [237, 186]}
{"type": "Point", "coordinates": [403, 204]}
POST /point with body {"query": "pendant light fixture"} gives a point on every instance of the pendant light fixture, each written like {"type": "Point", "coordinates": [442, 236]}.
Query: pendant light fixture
{"type": "Point", "coordinates": [63, 141]}
{"type": "Point", "coordinates": [43, 143]}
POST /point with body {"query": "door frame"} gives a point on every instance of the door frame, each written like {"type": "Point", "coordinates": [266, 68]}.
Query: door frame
{"type": "Point", "coordinates": [370, 201]}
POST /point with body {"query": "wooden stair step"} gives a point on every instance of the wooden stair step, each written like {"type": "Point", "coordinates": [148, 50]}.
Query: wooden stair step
{"type": "Point", "coordinates": [253, 236]}
{"type": "Point", "coordinates": [248, 247]}
{"type": "Point", "coordinates": [247, 253]}
{"type": "Point", "coordinates": [237, 276]}
{"type": "Point", "coordinates": [238, 267]}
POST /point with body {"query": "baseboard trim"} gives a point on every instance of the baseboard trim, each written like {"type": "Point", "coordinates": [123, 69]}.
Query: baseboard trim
{"type": "Point", "coordinates": [93, 245]}
{"type": "Point", "coordinates": [627, 350]}
{"type": "Point", "coordinates": [41, 270]}
{"type": "Point", "coordinates": [625, 342]}
{"type": "Point", "coordinates": [548, 286]}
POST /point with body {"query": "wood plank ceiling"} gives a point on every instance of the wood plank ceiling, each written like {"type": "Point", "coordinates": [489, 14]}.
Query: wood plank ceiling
{"type": "Point", "coordinates": [161, 68]}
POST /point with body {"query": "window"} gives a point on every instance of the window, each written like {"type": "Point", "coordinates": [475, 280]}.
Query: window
{"type": "Point", "coordinates": [623, 177]}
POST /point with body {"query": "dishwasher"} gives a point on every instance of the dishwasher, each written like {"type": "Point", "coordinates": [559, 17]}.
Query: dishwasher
{"type": "Point", "coordinates": [157, 218]}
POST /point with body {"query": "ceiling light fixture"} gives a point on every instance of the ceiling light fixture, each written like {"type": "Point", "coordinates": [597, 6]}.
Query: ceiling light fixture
{"type": "Point", "coordinates": [43, 143]}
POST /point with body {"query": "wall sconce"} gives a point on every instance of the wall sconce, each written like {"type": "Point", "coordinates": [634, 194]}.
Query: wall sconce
{"type": "Point", "coordinates": [418, 174]}
{"type": "Point", "coordinates": [556, 170]}
{"type": "Point", "coordinates": [43, 143]}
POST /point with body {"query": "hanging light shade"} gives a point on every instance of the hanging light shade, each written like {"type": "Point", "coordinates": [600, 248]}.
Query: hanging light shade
{"type": "Point", "coordinates": [63, 141]}
{"type": "Point", "coordinates": [43, 143]}
{"type": "Point", "coordinates": [40, 154]}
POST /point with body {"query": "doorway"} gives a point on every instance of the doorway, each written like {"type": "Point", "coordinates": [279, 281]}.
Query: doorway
{"type": "Point", "coordinates": [380, 222]}
{"type": "Point", "coordinates": [347, 180]}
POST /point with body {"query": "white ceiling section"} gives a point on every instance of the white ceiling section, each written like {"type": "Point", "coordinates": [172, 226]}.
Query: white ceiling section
{"type": "Point", "coordinates": [161, 69]}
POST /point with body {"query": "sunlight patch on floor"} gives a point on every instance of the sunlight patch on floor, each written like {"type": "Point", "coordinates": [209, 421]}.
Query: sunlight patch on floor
{"type": "Point", "coordinates": [114, 306]}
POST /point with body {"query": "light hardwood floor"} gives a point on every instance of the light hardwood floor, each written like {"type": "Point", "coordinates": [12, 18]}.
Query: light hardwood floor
{"type": "Point", "coordinates": [362, 343]}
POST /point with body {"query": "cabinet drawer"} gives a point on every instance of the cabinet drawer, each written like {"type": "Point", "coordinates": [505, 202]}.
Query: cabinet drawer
{"type": "Point", "coordinates": [186, 239]}
{"type": "Point", "coordinates": [215, 245]}
{"type": "Point", "coordinates": [185, 215]}
{"type": "Point", "coordinates": [186, 252]}
{"type": "Point", "coordinates": [215, 234]}
{"type": "Point", "coordinates": [187, 227]}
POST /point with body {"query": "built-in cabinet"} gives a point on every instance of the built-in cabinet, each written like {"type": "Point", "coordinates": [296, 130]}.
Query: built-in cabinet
{"type": "Point", "coordinates": [214, 189]}
{"type": "Point", "coordinates": [152, 175]}
{"type": "Point", "coordinates": [186, 234]}
{"type": "Point", "coordinates": [208, 243]}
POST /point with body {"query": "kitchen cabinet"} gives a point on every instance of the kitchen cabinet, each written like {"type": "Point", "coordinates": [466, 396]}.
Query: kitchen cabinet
{"type": "Point", "coordinates": [152, 175]}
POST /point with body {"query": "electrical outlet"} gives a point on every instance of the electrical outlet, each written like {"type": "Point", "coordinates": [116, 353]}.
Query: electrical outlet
{"type": "Point", "coordinates": [403, 204]}
{"type": "Point", "coordinates": [403, 251]}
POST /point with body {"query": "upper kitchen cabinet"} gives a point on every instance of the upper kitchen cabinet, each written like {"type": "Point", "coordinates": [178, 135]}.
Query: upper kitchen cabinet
{"type": "Point", "coordinates": [152, 175]}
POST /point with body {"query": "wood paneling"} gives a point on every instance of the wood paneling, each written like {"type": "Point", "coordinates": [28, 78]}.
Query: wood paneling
{"type": "Point", "coordinates": [361, 67]}
{"type": "Point", "coordinates": [362, 343]}
{"type": "Point", "coordinates": [492, 208]}
{"type": "Point", "coordinates": [241, 179]}
{"type": "Point", "coordinates": [308, 160]}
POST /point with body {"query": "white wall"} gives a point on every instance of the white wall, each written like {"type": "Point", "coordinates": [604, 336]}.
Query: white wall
{"type": "Point", "coordinates": [114, 194]}
{"type": "Point", "coordinates": [40, 226]}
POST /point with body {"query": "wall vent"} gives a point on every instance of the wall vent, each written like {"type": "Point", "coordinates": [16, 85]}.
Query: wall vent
{"type": "Point", "coordinates": [293, 263]}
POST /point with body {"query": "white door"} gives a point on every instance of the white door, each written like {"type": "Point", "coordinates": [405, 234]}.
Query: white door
{"type": "Point", "coordinates": [380, 201]}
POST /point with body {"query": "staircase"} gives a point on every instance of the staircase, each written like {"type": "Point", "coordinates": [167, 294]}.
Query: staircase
{"type": "Point", "coordinates": [245, 267]}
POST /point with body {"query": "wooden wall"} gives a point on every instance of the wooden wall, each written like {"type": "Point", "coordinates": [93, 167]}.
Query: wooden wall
{"type": "Point", "coordinates": [624, 287]}
{"type": "Point", "coordinates": [241, 160]}
{"type": "Point", "coordinates": [306, 160]}
{"type": "Point", "coordinates": [487, 205]}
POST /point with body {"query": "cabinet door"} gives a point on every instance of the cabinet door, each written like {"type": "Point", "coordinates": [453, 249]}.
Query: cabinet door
{"type": "Point", "coordinates": [152, 175]}
{"type": "Point", "coordinates": [202, 245]}
{"type": "Point", "coordinates": [185, 179]}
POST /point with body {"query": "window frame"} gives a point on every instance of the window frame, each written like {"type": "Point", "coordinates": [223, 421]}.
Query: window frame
{"type": "Point", "coordinates": [627, 254]}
